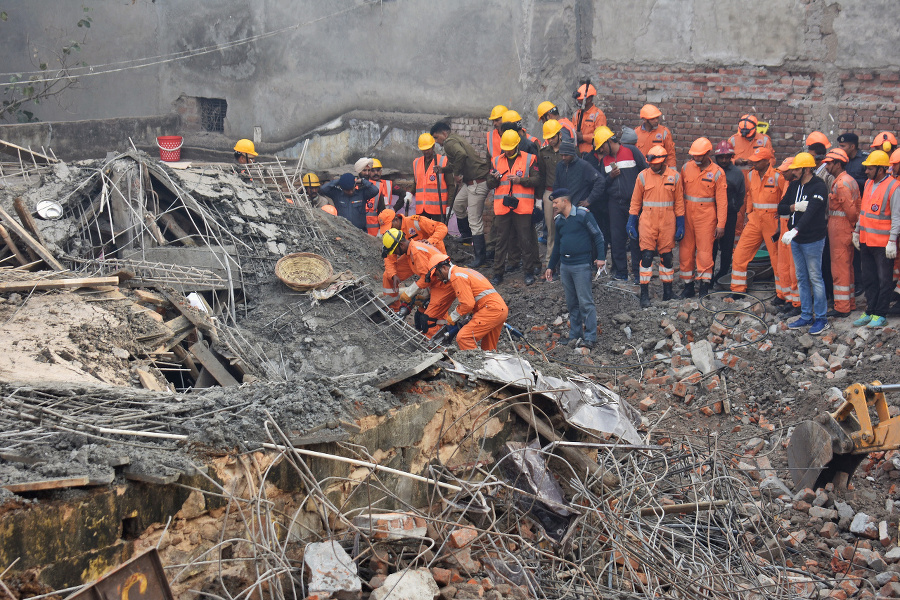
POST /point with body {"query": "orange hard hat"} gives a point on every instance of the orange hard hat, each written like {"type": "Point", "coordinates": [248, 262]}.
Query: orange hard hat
{"type": "Point", "coordinates": [585, 90]}
{"type": "Point", "coordinates": [385, 218]}
{"type": "Point", "coordinates": [895, 157]}
{"type": "Point", "coordinates": [817, 137]}
{"type": "Point", "coordinates": [657, 154]}
{"type": "Point", "coordinates": [747, 126]}
{"type": "Point", "coordinates": [330, 209]}
{"type": "Point", "coordinates": [836, 154]}
{"type": "Point", "coordinates": [700, 147]}
{"type": "Point", "coordinates": [648, 111]}
{"type": "Point", "coordinates": [762, 153]}
{"type": "Point", "coordinates": [785, 164]}
{"type": "Point", "coordinates": [883, 138]}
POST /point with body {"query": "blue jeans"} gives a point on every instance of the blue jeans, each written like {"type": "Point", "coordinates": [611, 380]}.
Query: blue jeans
{"type": "Point", "coordinates": [808, 264]}
{"type": "Point", "coordinates": [576, 280]}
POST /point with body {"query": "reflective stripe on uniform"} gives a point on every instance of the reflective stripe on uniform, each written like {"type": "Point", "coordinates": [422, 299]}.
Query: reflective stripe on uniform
{"type": "Point", "coordinates": [658, 204]}
{"type": "Point", "coordinates": [765, 206]}
{"type": "Point", "coordinates": [485, 293]}
{"type": "Point", "coordinates": [697, 199]}
{"type": "Point", "coordinates": [836, 213]}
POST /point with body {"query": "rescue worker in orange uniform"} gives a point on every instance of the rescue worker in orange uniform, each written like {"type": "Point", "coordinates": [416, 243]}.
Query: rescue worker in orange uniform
{"type": "Point", "coordinates": [418, 255]}
{"type": "Point", "coordinates": [747, 140]}
{"type": "Point", "coordinates": [650, 133]}
{"type": "Point", "coordinates": [657, 219]}
{"type": "Point", "coordinates": [843, 212]}
{"type": "Point", "coordinates": [493, 136]}
{"type": "Point", "coordinates": [787, 293]}
{"type": "Point", "coordinates": [416, 227]}
{"type": "Point", "coordinates": [705, 211]}
{"type": "Point", "coordinates": [876, 238]}
{"type": "Point", "coordinates": [514, 178]}
{"type": "Point", "coordinates": [547, 111]}
{"type": "Point", "coordinates": [434, 193]}
{"type": "Point", "coordinates": [587, 118]}
{"type": "Point", "coordinates": [477, 298]}
{"type": "Point", "coordinates": [765, 186]}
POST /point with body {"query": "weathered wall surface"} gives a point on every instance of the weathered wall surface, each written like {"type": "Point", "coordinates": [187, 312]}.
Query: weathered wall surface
{"type": "Point", "coordinates": [799, 64]}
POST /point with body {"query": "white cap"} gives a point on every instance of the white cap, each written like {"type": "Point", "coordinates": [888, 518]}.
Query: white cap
{"type": "Point", "coordinates": [361, 164]}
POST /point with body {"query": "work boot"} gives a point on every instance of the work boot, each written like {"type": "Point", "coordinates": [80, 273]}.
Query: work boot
{"type": "Point", "coordinates": [465, 232]}
{"type": "Point", "coordinates": [704, 289]}
{"type": "Point", "coordinates": [688, 291]}
{"type": "Point", "coordinates": [478, 246]}
{"type": "Point", "coordinates": [667, 291]}
{"type": "Point", "coordinates": [645, 295]}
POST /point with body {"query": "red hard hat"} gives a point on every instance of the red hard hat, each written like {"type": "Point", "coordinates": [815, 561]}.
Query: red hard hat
{"type": "Point", "coordinates": [723, 148]}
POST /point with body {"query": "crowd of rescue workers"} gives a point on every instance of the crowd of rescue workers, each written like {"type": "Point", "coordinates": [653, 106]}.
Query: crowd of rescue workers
{"type": "Point", "coordinates": [826, 219]}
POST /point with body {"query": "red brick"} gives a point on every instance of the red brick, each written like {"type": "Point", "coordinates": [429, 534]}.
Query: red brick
{"type": "Point", "coordinates": [462, 537]}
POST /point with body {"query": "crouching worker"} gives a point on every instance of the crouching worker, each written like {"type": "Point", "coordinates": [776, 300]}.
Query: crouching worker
{"type": "Point", "coordinates": [416, 227]}
{"type": "Point", "coordinates": [477, 299]}
{"type": "Point", "coordinates": [418, 256]}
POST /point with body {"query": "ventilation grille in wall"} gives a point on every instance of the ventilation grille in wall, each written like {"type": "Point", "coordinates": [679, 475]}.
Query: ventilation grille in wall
{"type": "Point", "coordinates": [212, 114]}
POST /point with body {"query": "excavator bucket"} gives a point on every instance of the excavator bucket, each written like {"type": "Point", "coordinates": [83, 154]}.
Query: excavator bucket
{"type": "Point", "coordinates": [830, 448]}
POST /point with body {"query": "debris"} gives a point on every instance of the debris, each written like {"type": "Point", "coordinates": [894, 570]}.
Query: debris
{"type": "Point", "coordinates": [332, 571]}
{"type": "Point", "coordinates": [408, 584]}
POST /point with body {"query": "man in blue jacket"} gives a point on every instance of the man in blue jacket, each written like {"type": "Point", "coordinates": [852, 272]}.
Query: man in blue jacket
{"type": "Point", "coordinates": [578, 247]}
{"type": "Point", "coordinates": [580, 179]}
{"type": "Point", "coordinates": [349, 195]}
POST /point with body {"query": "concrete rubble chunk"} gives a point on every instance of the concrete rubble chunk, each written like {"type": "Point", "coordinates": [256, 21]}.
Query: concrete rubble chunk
{"type": "Point", "coordinates": [892, 556]}
{"type": "Point", "coordinates": [807, 341]}
{"type": "Point", "coordinates": [332, 571]}
{"type": "Point", "coordinates": [408, 584]}
{"type": "Point", "coordinates": [775, 485]}
{"type": "Point", "coordinates": [703, 357]}
{"type": "Point", "coordinates": [845, 511]}
{"type": "Point", "coordinates": [391, 526]}
{"type": "Point", "coordinates": [863, 525]}
{"type": "Point", "coordinates": [826, 514]}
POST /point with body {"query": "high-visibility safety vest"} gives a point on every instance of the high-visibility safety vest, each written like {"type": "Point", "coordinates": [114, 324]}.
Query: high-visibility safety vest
{"type": "Point", "coordinates": [875, 212]}
{"type": "Point", "coordinates": [385, 190]}
{"type": "Point", "coordinates": [431, 189]}
{"type": "Point", "coordinates": [520, 168]}
{"type": "Point", "coordinates": [493, 144]}
{"type": "Point", "coordinates": [765, 192]}
{"type": "Point", "coordinates": [567, 124]}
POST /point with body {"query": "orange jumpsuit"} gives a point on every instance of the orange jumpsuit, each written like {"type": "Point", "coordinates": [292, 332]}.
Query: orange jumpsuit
{"type": "Point", "coordinates": [421, 228]}
{"type": "Point", "coordinates": [658, 199]}
{"type": "Point", "coordinates": [743, 148]}
{"type": "Point", "coordinates": [705, 209]}
{"type": "Point", "coordinates": [476, 295]}
{"type": "Point", "coordinates": [592, 119]}
{"type": "Point", "coordinates": [763, 195]}
{"type": "Point", "coordinates": [418, 256]}
{"type": "Point", "coordinates": [661, 136]}
{"type": "Point", "coordinates": [843, 211]}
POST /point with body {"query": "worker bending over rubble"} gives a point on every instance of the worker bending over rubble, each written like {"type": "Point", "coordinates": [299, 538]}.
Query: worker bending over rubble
{"type": "Point", "coordinates": [478, 300]}
{"type": "Point", "coordinates": [416, 227]}
{"type": "Point", "coordinates": [435, 293]}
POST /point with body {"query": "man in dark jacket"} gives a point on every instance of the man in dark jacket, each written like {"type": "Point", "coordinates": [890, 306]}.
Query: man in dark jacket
{"type": "Point", "coordinates": [578, 248]}
{"type": "Point", "coordinates": [350, 195]}
{"type": "Point", "coordinates": [577, 176]}
{"type": "Point", "coordinates": [619, 165]}
{"type": "Point", "coordinates": [734, 178]}
{"type": "Point", "coordinates": [805, 201]}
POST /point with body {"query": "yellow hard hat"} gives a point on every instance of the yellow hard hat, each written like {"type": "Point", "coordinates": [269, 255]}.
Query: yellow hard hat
{"type": "Point", "coordinates": [803, 160]}
{"type": "Point", "coordinates": [391, 239]}
{"type": "Point", "coordinates": [544, 107]}
{"type": "Point", "coordinates": [376, 164]}
{"type": "Point", "coordinates": [551, 128]}
{"type": "Point", "coordinates": [509, 140]}
{"type": "Point", "coordinates": [878, 158]}
{"type": "Point", "coordinates": [426, 141]}
{"type": "Point", "coordinates": [245, 146]}
{"type": "Point", "coordinates": [497, 112]}
{"type": "Point", "coordinates": [511, 116]}
{"type": "Point", "coordinates": [601, 135]}
{"type": "Point", "coordinates": [311, 180]}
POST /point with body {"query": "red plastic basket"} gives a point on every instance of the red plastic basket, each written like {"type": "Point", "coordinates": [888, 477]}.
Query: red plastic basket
{"type": "Point", "coordinates": [169, 147]}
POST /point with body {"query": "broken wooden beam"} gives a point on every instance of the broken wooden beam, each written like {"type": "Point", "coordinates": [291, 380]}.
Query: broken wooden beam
{"type": "Point", "coordinates": [28, 220]}
{"type": "Point", "coordinates": [47, 484]}
{"type": "Point", "coordinates": [148, 381]}
{"type": "Point", "coordinates": [12, 246]}
{"type": "Point", "coordinates": [214, 367]}
{"type": "Point", "coordinates": [182, 236]}
{"type": "Point", "coordinates": [55, 284]}
{"type": "Point", "coordinates": [29, 241]}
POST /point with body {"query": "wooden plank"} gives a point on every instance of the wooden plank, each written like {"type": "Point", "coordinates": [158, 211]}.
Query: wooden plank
{"type": "Point", "coordinates": [179, 324]}
{"type": "Point", "coordinates": [55, 284]}
{"type": "Point", "coordinates": [30, 241]}
{"type": "Point", "coordinates": [47, 484]}
{"type": "Point", "coordinates": [149, 381]}
{"type": "Point", "coordinates": [138, 309]}
{"type": "Point", "coordinates": [17, 151]}
{"type": "Point", "coordinates": [25, 460]}
{"type": "Point", "coordinates": [206, 357]}
{"type": "Point", "coordinates": [205, 380]}
{"type": "Point", "coordinates": [12, 246]}
{"type": "Point", "coordinates": [200, 320]}
{"type": "Point", "coordinates": [28, 220]}
{"type": "Point", "coordinates": [150, 298]}
{"type": "Point", "coordinates": [181, 235]}
{"type": "Point", "coordinates": [151, 478]}
{"type": "Point", "coordinates": [188, 362]}
{"type": "Point", "coordinates": [112, 295]}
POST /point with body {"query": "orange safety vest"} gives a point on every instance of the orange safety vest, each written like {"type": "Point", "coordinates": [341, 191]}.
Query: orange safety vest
{"type": "Point", "coordinates": [493, 143]}
{"type": "Point", "coordinates": [766, 192]}
{"type": "Point", "coordinates": [384, 189]}
{"type": "Point", "coordinates": [705, 190]}
{"type": "Point", "coordinates": [875, 212]}
{"type": "Point", "coordinates": [431, 191]}
{"type": "Point", "coordinates": [520, 168]}
{"type": "Point", "coordinates": [661, 136]}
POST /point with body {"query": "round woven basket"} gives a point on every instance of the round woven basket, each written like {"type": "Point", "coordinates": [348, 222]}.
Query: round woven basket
{"type": "Point", "coordinates": [303, 271]}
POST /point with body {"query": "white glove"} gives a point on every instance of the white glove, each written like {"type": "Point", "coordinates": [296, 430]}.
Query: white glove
{"type": "Point", "coordinates": [788, 237]}
{"type": "Point", "coordinates": [453, 317]}
{"type": "Point", "coordinates": [409, 292]}
{"type": "Point", "coordinates": [408, 197]}
{"type": "Point", "coordinates": [890, 250]}
{"type": "Point", "coordinates": [801, 206]}
{"type": "Point", "coordinates": [856, 240]}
